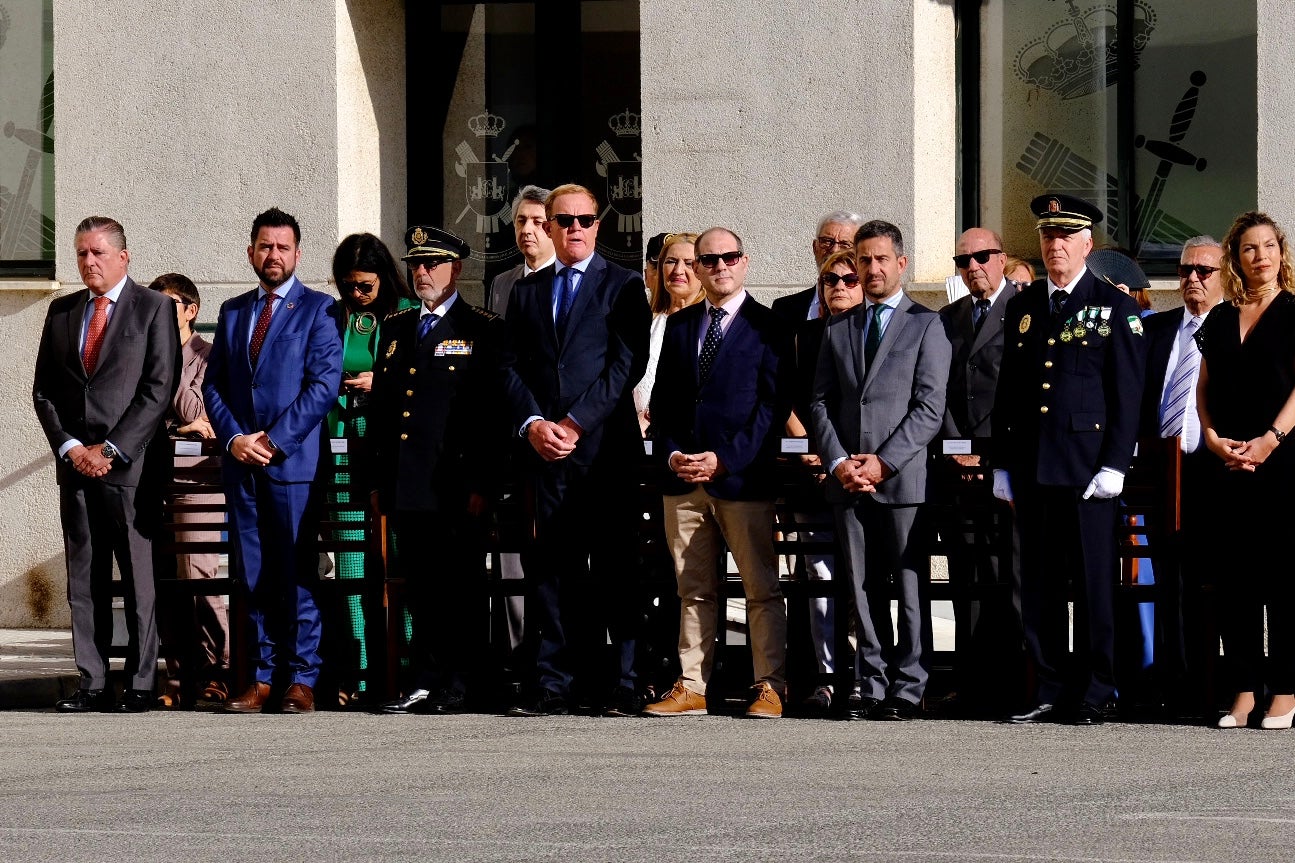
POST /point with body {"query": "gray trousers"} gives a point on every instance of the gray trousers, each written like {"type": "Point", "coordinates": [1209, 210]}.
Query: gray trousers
{"type": "Point", "coordinates": [100, 523]}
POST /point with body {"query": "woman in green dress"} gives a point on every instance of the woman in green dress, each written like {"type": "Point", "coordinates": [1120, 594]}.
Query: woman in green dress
{"type": "Point", "coordinates": [371, 287]}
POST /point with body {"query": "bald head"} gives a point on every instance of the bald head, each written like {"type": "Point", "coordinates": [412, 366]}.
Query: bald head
{"type": "Point", "coordinates": [979, 257]}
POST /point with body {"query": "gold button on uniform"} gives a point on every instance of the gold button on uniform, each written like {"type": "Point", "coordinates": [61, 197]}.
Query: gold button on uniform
{"type": "Point", "coordinates": [451, 368]}
{"type": "Point", "coordinates": [1047, 386]}
{"type": "Point", "coordinates": [1048, 364]}
{"type": "Point", "coordinates": [405, 414]}
{"type": "Point", "coordinates": [1050, 341]}
{"type": "Point", "coordinates": [411, 371]}
{"type": "Point", "coordinates": [404, 437]}
{"type": "Point", "coordinates": [1043, 410]}
{"type": "Point", "coordinates": [409, 392]}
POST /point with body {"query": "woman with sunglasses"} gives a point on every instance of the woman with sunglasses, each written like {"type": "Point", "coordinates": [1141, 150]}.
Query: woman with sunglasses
{"type": "Point", "coordinates": [370, 288]}
{"type": "Point", "coordinates": [1246, 404]}
{"type": "Point", "coordinates": [676, 286]}
{"type": "Point", "coordinates": [839, 290]}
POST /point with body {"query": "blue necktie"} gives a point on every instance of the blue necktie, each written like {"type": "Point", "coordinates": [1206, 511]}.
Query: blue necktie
{"type": "Point", "coordinates": [978, 315]}
{"type": "Point", "coordinates": [710, 344]}
{"type": "Point", "coordinates": [425, 326]}
{"type": "Point", "coordinates": [565, 299]}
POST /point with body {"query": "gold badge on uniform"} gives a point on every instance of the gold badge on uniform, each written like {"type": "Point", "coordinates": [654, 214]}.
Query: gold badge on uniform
{"type": "Point", "coordinates": [419, 236]}
{"type": "Point", "coordinates": [391, 349]}
{"type": "Point", "coordinates": [1025, 323]}
{"type": "Point", "coordinates": [1065, 335]}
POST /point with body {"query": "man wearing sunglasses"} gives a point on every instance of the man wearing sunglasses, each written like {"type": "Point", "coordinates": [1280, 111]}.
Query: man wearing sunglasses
{"type": "Point", "coordinates": [1065, 423]}
{"type": "Point", "coordinates": [580, 338]}
{"type": "Point", "coordinates": [987, 640]}
{"type": "Point", "coordinates": [722, 395]}
{"type": "Point", "coordinates": [835, 233]}
{"type": "Point", "coordinates": [1169, 410]}
{"type": "Point", "coordinates": [877, 405]}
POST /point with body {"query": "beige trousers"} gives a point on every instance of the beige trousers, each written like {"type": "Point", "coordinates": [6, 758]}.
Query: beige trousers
{"type": "Point", "coordinates": [697, 527]}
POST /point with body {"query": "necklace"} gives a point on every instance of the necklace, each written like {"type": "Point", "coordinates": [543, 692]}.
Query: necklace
{"type": "Point", "coordinates": [364, 323]}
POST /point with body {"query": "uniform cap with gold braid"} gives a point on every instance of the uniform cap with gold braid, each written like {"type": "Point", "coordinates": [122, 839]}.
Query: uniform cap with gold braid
{"type": "Point", "coordinates": [426, 242]}
{"type": "Point", "coordinates": [1064, 211]}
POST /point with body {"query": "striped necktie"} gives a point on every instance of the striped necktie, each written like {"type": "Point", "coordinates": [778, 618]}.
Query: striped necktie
{"type": "Point", "coordinates": [1173, 408]}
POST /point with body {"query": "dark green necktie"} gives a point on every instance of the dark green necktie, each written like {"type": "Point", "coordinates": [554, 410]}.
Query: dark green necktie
{"type": "Point", "coordinates": [873, 340]}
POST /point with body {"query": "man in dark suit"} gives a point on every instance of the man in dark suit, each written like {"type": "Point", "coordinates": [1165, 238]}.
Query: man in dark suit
{"type": "Point", "coordinates": [989, 649]}
{"type": "Point", "coordinates": [835, 233]}
{"type": "Point", "coordinates": [878, 403]}
{"type": "Point", "coordinates": [274, 372]}
{"type": "Point", "coordinates": [1065, 422]}
{"type": "Point", "coordinates": [580, 334]}
{"type": "Point", "coordinates": [438, 427]}
{"type": "Point", "coordinates": [532, 241]}
{"type": "Point", "coordinates": [722, 396]}
{"type": "Point", "coordinates": [1169, 410]}
{"type": "Point", "coordinates": [105, 372]}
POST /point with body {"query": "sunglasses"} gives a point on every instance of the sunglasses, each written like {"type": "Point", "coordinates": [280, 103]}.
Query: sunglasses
{"type": "Point", "coordinates": [829, 280]}
{"type": "Point", "coordinates": [365, 288]}
{"type": "Point", "coordinates": [829, 243]}
{"type": "Point", "coordinates": [982, 257]}
{"type": "Point", "coordinates": [710, 262]}
{"type": "Point", "coordinates": [566, 220]}
{"type": "Point", "coordinates": [1202, 272]}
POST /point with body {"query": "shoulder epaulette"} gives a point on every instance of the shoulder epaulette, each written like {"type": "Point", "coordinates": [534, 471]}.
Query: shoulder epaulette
{"type": "Point", "coordinates": [400, 312]}
{"type": "Point", "coordinates": [485, 313]}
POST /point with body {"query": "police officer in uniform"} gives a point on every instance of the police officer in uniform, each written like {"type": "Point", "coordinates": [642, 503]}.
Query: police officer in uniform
{"type": "Point", "coordinates": [1065, 422]}
{"type": "Point", "coordinates": [438, 429]}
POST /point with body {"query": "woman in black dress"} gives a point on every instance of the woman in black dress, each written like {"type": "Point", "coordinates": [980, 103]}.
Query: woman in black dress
{"type": "Point", "coordinates": [1246, 400]}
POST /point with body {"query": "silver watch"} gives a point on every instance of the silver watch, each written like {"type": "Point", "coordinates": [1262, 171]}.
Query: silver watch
{"type": "Point", "coordinates": [109, 451]}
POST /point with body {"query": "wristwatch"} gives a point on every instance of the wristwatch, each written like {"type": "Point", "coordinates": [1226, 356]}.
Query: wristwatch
{"type": "Point", "coordinates": [109, 451]}
{"type": "Point", "coordinates": [1281, 436]}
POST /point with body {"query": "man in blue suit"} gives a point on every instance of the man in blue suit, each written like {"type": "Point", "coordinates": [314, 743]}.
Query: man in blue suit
{"type": "Point", "coordinates": [580, 337]}
{"type": "Point", "coordinates": [723, 393]}
{"type": "Point", "coordinates": [274, 371]}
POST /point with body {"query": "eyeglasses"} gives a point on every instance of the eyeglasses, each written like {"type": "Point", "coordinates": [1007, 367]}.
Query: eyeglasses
{"type": "Point", "coordinates": [566, 220]}
{"type": "Point", "coordinates": [829, 243]}
{"type": "Point", "coordinates": [981, 257]}
{"type": "Point", "coordinates": [829, 280]}
{"type": "Point", "coordinates": [710, 262]}
{"type": "Point", "coordinates": [1202, 272]}
{"type": "Point", "coordinates": [180, 302]}
{"type": "Point", "coordinates": [428, 264]}
{"type": "Point", "coordinates": [365, 288]}
{"type": "Point", "coordinates": [671, 263]}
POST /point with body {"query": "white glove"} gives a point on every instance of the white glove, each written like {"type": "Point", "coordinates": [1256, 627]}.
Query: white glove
{"type": "Point", "coordinates": [1107, 484]}
{"type": "Point", "coordinates": [1002, 485]}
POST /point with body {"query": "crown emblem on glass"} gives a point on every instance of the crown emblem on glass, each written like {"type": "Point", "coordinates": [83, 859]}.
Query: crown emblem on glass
{"type": "Point", "coordinates": [1079, 54]}
{"type": "Point", "coordinates": [486, 125]}
{"type": "Point", "coordinates": [625, 124]}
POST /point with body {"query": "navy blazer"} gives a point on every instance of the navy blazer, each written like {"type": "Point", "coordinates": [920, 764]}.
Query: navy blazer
{"type": "Point", "coordinates": [589, 375]}
{"type": "Point", "coordinates": [738, 413]}
{"type": "Point", "coordinates": [292, 388]}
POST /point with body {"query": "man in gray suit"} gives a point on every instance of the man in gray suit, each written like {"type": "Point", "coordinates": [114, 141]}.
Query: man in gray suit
{"type": "Point", "coordinates": [105, 373]}
{"type": "Point", "coordinates": [878, 402]}
{"type": "Point", "coordinates": [532, 241]}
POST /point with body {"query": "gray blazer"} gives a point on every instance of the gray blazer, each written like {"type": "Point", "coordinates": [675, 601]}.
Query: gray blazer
{"type": "Point", "coordinates": [893, 409]}
{"type": "Point", "coordinates": [501, 288]}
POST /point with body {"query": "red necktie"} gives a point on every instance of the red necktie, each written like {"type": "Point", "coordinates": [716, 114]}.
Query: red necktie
{"type": "Point", "coordinates": [262, 327]}
{"type": "Point", "coordinates": [94, 337]}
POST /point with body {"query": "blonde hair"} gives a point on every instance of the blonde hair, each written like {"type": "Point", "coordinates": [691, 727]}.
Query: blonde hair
{"type": "Point", "coordinates": [661, 298]}
{"type": "Point", "coordinates": [1235, 289]}
{"type": "Point", "coordinates": [832, 260]}
{"type": "Point", "coordinates": [567, 189]}
{"type": "Point", "coordinates": [1014, 262]}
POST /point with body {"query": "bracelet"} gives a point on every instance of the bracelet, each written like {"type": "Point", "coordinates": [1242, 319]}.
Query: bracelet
{"type": "Point", "coordinates": [1281, 436]}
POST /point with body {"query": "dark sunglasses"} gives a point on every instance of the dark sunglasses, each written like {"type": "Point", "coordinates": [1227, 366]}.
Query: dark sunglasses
{"type": "Point", "coordinates": [365, 288]}
{"type": "Point", "coordinates": [829, 280]}
{"type": "Point", "coordinates": [710, 262]}
{"type": "Point", "coordinates": [1202, 272]}
{"type": "Point", "coordinates": [566, 220]}
{"type": "Point", "coordinates": [981, 257]}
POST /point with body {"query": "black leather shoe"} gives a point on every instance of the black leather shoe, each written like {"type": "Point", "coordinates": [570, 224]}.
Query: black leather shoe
{"type": "Point", "coordinates": [863, 707]}
{"type": "Point", "coordinates": [1088, 714]}
{"type": "Point", "coordinates": [87, 701]}
{"type": "Point", "coordinates": [546, 704]}
{"type": "Point", "coordinates": [895, 710]}
{"type": "Point", "coordinates": [416, 701]}
{"type": "Point", "coordinates": [135, 701]}
{"type": "Point", "coordinates": [1041, 713]}
{"type": "Point", "coordinates": [623, 701]}
{"type": "Point", "coordinates": [449, 701]}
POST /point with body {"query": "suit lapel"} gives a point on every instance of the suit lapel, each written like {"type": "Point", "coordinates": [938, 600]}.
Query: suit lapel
{"type": "Point", "coordinates": [858, 329]}
{"type": "Point", "coordinates": [898, 319]}
{"type": "Point", "coordinates": [75, 326]}
{"type": "Point", "coordinates": [546, 281]}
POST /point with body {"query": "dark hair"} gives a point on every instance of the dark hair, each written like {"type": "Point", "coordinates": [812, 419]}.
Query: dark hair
{"type": "Point", "coordinates": [879, 228]}
{"type": "Point", "coordinates": [116, 233]}
{"type": "Point", "coordinates": [368, 254]}
{"type": "Point", "coordinates": [178, 284]}
{"type": "Point", "coordinates": [276, 218]}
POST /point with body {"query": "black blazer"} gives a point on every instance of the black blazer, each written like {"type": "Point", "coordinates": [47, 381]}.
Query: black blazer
{"type": "Point", "coordinates": [794, 308]}
{"type": "Point", "coordinates": [738, 413]}
{"type": "Point", "coordinates": [127, 398]}
{"type": "Point", "coordinates": [1162, 332]}
{"type": "Point", "coordinates": [589, 375]}
{"type": "Point", "coordinates": [973, 374]}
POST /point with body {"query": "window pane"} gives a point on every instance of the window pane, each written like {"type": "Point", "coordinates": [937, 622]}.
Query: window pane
{"type": "Point", "coordinates": [27, 146]}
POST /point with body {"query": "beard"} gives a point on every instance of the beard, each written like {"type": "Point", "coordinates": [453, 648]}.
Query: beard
{"type": "Point", "coordinates": [272, 282]}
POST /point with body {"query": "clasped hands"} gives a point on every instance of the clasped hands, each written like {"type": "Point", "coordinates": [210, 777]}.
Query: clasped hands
{"type": "Point", "coordinates": [861, 473]}
{"type": "Point", "coordinates": [1243, 454]}
{"type": "Point", "coordinates": [89, 460]}
{"type": "Point", "coordinates": [553, 440]}
{"type": "Point", "coordinates": [252, 449]}
{"type": "Point", "coordinates": [696, 467]}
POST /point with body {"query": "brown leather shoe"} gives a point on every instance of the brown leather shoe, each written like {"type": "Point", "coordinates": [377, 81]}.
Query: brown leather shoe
{"type": "Point", "coordinates": [251, 701]}
{"type": "Point", "coordinates": [680, 701]}
{"type": "Point", "coordinates": [765, 703]}
{"type": "Point", "coordinates": [299, 698]}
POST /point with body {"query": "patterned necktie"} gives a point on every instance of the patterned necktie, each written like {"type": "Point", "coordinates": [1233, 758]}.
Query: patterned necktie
{"type": "Point", "coordinates": [261, 328]}
{"type": "Point", "coordinates": [94, 337]}
{"type": "Point", "coordinates": [710, 344]}
{"type": "Point", "coordinates": [1058, 300]}
{"type": "Point", "coordinates": [425, 326]}
{"type": "Point", "coordinates": [565, 299]}
{"type": "Point", "coordinates": [1173, 408]}
{"type": "Point", "coordinates": [873, 341]}
{"type": "Point", "coordinates": [978, 315]}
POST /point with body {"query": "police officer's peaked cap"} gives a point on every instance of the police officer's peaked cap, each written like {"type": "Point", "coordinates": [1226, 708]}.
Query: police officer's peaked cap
{"type": "Point", "coordinates": [1065, 211]}
{"type": "Point", "coordinates": [426, 242]}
